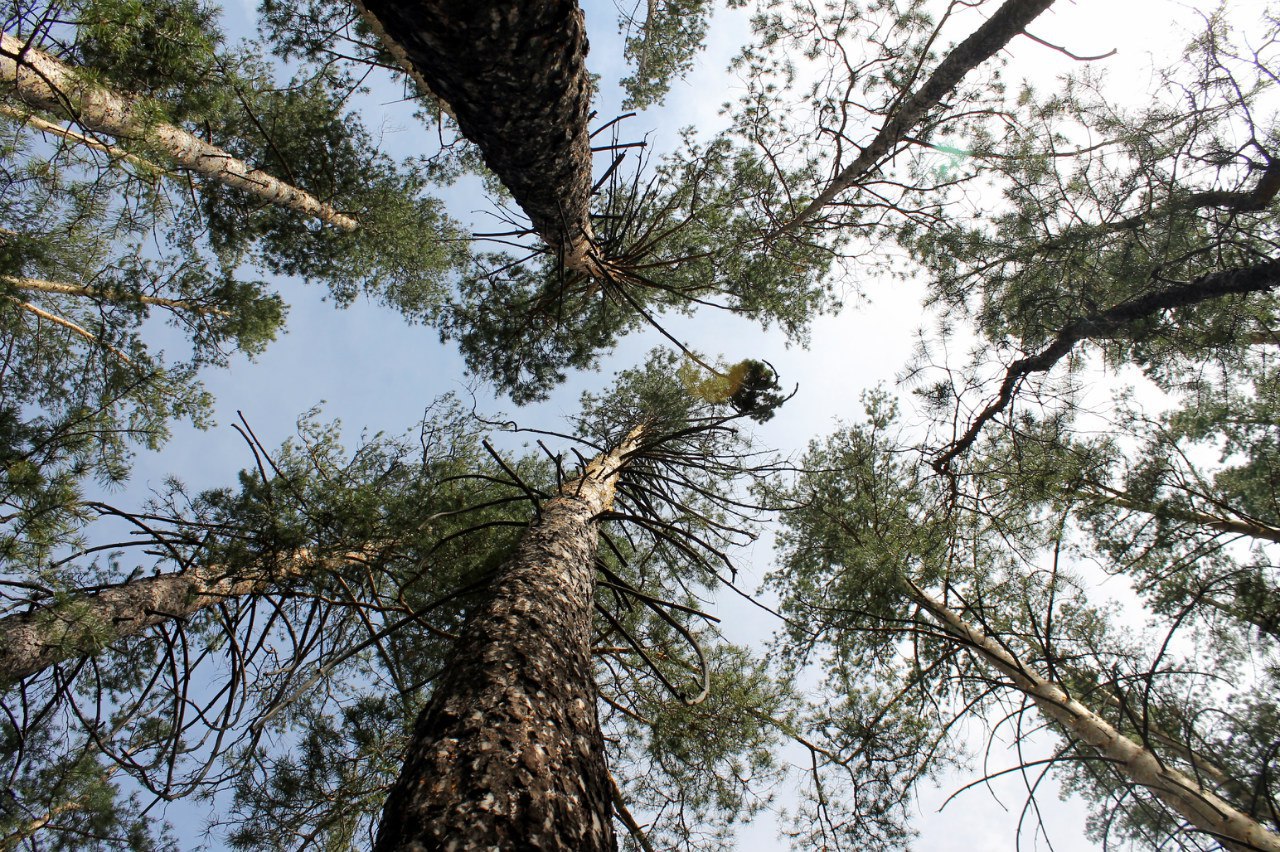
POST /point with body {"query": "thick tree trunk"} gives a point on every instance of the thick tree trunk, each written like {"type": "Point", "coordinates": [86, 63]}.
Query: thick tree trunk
{"type": "Point", "coordinates": [43, 82]}
{"type": "Point", "coordinates": [1201, 808]}
{"type": "Point", "coordinates": [508, 754]}
{"type": "Point", "coordinates": [985, 42]}
{"type": "Point", "coordinates": [515, 77]}
{"type": "Point", "coordinates": [84, 624]}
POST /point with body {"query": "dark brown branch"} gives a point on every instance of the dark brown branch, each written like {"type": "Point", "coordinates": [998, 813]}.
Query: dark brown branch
{"type": "Point", "coordinates": [985, 42]}
{"type": "Point", "coordinates": [1251, 279]}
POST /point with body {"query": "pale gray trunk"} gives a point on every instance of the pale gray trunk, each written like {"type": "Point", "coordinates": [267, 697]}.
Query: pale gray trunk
{"type": "Point", "coordinates": [1201, 808]}
{"type": "Point", "coordinates": [43, 82]}
{"type": "Point", "coordinates": [36, 285]}
{"type": "Point", "coordinates": [1236, 526]}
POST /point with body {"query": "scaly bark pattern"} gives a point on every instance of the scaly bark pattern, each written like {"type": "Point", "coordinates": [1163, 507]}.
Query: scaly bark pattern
{"type": "Point", "coordinates": [508, 754]}
{"type": "Point", "coordinates": [514, 75]}
{"type": "Point", "coordinates": [43, 82]}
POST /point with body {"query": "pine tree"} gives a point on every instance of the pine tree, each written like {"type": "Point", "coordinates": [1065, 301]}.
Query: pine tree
{"type": "Point", "coordinates": [509, 750]}
{"type": "Point", "coordinates": [869, 532]}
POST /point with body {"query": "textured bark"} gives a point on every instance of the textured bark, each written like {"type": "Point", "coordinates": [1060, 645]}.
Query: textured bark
{"type": "Point", "coordinates": [508, 754]}
{"type": "Point", "coordinates": [1200, 807]}
{"type": "Point", "coordinates": [515, 78]}
{"type": "Point", "coordinates": [36, 285]}
{"type": "Point", "coordinates": [43, 82]}
{"type": "Point", "coordinates": [84, 624]}
{"type": "Point", "coordinates": [987, 40]}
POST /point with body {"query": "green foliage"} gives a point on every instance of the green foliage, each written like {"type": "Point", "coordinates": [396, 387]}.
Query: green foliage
{"type": "Point", "coordinates": [84, 385]}
{"type": "Point", "coordinates": [691, 773]}
{"type": "Point", "coordinates": [662, 47]}
{"type": "Point", "coordinates": [507, 334]}
{"type": "Point", "coordinates": [750, 386]}
{"type": "Point", "coordinates": [691, 235]}
{"type": "Point", "coordinates": [166, 52]}
{"type": "Point", "coordinates": [63, 798]}
{"type": "Point", "coordinates": [1167, 194]}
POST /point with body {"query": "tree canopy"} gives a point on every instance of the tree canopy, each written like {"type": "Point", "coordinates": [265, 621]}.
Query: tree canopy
{"type": "Point", "coordinates": [1048, 552]}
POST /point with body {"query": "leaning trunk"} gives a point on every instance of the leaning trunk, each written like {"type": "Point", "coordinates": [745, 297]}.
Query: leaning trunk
{"type": "Point", "coordinates": [1006, 23]}
{"type": "Point", "coordinates": [1209, 813]}
{"type": "Point", "coordinates": [1232, 526]}
{"type": "Point", "coordinates": [508, 754]}
{"type": "Point", "coordinates": [84, 624]}
{"type": "Point", "coordinates": [514, 76]}
{"type": "Point", "coordinates": [43, 82]}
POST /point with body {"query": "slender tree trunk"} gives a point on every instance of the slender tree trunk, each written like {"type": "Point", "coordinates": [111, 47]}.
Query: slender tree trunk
{"type": "Point", "coordinates": [1267, 622]}
{"type": "Point", "coordinates": [44, 83]}
{"type": "Point", "coordinates": [1201, 808]}
{"type": "Point", "coordinates": [985, 42]}
{"type": "Point", "coordinates": [1264, 338]}
{"type": "Point", "coordinates": [508, 754]}
{"type": "Point", "coordinates": [26, 832]}
{"type": "Point", "coordinates": [84, 624]}
{"type": "Point", "coordinates": [36, 285]}
{"type": "Point", "coordinates": [1235, 526]}
{"type": "Point", "coordinates": [72, 136]}
{"type": "Point", "coordinates": [515, 78]}
{"type": "Point", "coordinates": [70, 326]}
{"type": "Point", "coordinates": [1202, 765]}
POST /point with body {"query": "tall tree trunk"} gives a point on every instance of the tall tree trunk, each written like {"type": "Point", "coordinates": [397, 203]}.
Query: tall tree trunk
{"type": "Point", "coordinates": [1201, 808]}
{"type": "Point", "coordinates": [508, 753]}
{"type": "Point", "coordinates": [514, 76]}
{"type": "Point", "coordinates": [43, 82]}
{"type": "Point", "coordinates": [1235, 526]}
{"type": "Point", "coordinates": [83, 624]}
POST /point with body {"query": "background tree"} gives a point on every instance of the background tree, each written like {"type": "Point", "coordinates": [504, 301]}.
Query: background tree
{"type": "Point", "coordinates": [870, 532]}
{"type": "Point", "coordinates": [98, 233]}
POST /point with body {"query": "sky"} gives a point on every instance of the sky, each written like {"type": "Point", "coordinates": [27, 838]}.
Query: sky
{"type": "Point", "coordinates": [375, 373]}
